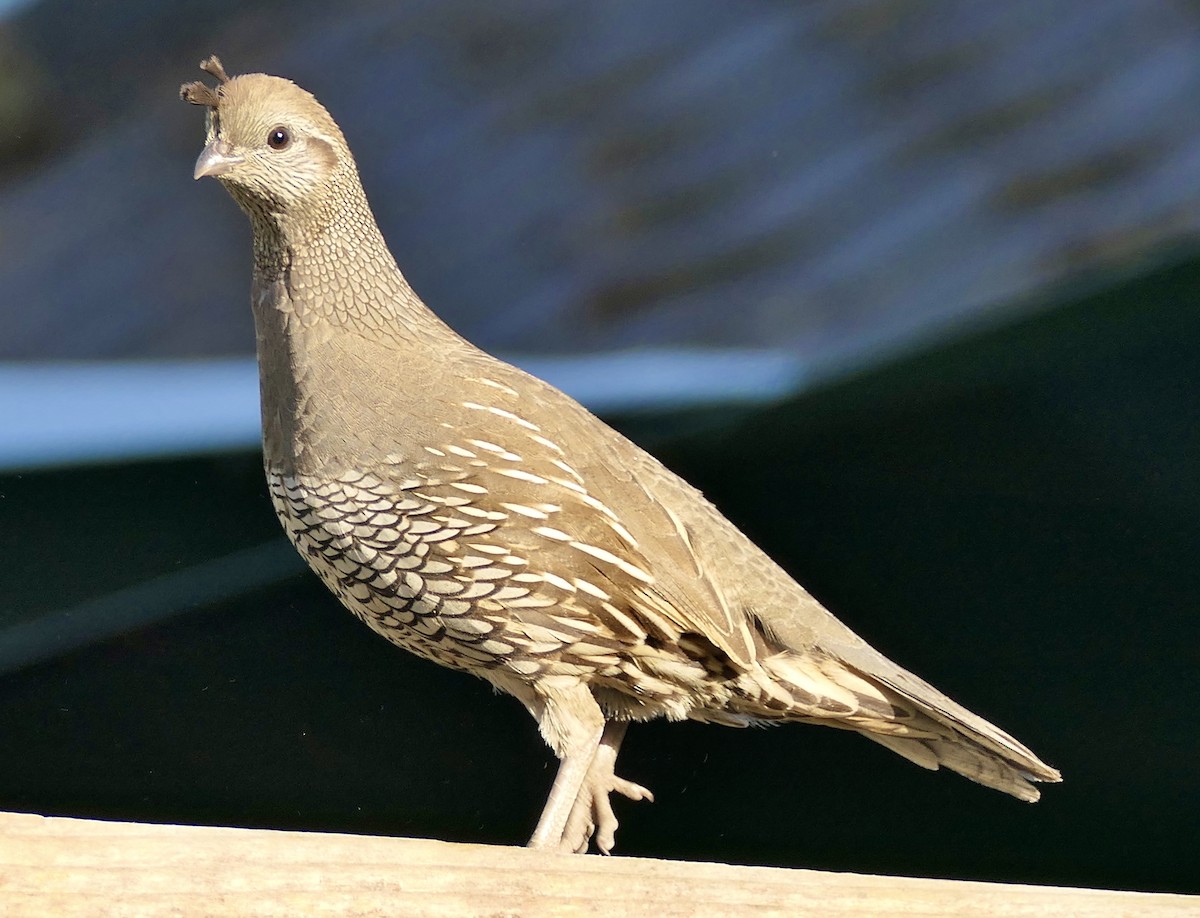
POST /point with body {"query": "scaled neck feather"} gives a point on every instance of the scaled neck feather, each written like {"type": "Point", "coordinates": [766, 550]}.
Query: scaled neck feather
{"type": "Point", "coordinates": [333, 268]}
{"type": "Point", "coordinates": [337, 325]}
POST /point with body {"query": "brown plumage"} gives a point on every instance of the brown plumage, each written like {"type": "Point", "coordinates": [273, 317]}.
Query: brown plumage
{"type": "Point", "coordinates": [479, 517]}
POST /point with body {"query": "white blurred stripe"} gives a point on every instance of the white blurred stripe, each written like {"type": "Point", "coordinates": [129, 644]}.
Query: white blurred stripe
{"type": "Point", "coordinates": [69, 413]}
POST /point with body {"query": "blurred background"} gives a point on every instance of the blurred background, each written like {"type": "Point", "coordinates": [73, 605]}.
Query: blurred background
{"type": "Point", "coordinates": [908, 287]}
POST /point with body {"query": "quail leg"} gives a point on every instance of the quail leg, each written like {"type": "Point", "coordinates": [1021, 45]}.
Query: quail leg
{"type": "Point", "coordinates": [592, 815]}
{"type": "Point", "coordinates": [573, 725]}
{"type": "Point", "coordinates": [573, 772]}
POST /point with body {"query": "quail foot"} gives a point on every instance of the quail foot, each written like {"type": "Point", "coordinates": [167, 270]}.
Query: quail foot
{"type": "Point", "coordinates": [477, 516]}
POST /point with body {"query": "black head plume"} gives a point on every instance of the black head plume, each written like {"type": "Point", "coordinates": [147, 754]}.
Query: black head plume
{"type": "Point", "coordinates": [200, 93]}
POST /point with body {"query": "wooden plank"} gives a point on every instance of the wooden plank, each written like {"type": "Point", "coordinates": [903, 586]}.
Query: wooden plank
{"type": "Point", "coordinates": [75, 867]}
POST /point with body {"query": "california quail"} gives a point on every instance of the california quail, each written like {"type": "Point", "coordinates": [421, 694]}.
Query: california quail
{"type": "Point", "coordinates": [479, 517]}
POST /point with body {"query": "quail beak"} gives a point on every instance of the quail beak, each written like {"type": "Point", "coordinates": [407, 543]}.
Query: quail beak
{"type": "Point", "coordinates": [216, 159]}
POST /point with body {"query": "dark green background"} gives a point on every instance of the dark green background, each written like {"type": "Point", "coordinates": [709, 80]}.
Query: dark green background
{"type": "Point", "coordinates": [1012, 515]}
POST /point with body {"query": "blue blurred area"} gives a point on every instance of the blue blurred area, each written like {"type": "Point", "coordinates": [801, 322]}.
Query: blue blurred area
{"type": "Point", "coordinates": [9, 6]}
{"type": "Point", "coordinates": [832, 178]}
{"type": "Point", "coordinates": [72, 413]}
{"type": "Point", "coordinates": [55, 414]}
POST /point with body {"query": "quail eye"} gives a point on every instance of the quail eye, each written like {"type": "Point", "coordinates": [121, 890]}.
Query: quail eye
{"type": "Point", "coordinates": [278, 138]}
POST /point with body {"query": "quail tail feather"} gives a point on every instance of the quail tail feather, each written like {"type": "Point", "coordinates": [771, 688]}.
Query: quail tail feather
{"type": "Point", "coordinates": [966, 743]}
{"type": "Point", "coordinates": [907, 715]}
